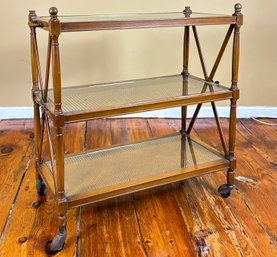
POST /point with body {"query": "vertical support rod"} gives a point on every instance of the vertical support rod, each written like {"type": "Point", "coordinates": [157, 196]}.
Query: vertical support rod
{"type": "Point", "coordinates": [35, 78]}
{"type": "Point", "coordinates": [185, 74]}
{"type": "Point", "coordinates": [46, 83]}
{"type": "Point", "coordinates": [234, 88]}
{"type": "Point", "coordinates": [58, 122]}
{"type": "Point", "coordinates": [35, 88]}
{"type": "Point", "coordinates": [45, 94]}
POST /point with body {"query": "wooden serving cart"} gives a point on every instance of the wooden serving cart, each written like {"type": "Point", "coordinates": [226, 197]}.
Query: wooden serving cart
{"type": "Point", "coordinates": [91, 176]}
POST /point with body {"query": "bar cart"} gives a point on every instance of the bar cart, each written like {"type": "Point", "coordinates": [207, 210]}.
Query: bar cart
{"type": "Point", "coordinates": [96, 175]}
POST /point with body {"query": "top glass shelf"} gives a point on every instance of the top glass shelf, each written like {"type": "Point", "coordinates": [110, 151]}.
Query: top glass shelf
{"type": "Point", "coordinates": [138, 20]}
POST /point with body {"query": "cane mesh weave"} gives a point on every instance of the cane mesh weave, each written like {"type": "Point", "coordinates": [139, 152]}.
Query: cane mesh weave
{"type": "Point", "coordinates": [103, 168]}
{"type": "Point", "coordinates": [108, 96]}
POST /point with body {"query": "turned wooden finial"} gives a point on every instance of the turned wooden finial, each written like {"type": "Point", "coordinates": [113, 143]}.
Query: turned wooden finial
{"type": "Point", "coordinates": [32, 14]}
{"type": "Point", "coordinates": [53, 11]}
{"type": "Point", "coordinates": [187, 11]}
{"type": "Point", "coordinates": [238, 8]}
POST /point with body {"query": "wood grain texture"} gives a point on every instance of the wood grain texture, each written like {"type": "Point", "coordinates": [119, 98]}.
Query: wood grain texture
{"type": "Point", "coordinates": [182, 219]}
{"type": "Point", "coordinates": [15, 149]}
{"type": "Point", "coordinates": [255, 180]}
{"type": "Point", "coordinates": [163, 234]}
{"type": "Point", "coordinates": [40, 224]}
{"type": "Point", "coordinates": [110, 228]}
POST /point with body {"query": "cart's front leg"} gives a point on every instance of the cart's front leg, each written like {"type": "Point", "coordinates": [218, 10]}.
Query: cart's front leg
{"type": "Point", "coordinates": [40, 186]}
{"type": "Point", "coordinates": [225, 190]}
{"type": "Point", "coordinates": [57, 244]}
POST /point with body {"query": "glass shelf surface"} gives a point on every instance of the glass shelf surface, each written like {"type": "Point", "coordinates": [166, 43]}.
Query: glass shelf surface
{"type": "Point", "coordinates": [130, 17]}
{"type": "Point", "coordinates": [122, 164]}
{"type": "Point", "coordinates": [109, 96]}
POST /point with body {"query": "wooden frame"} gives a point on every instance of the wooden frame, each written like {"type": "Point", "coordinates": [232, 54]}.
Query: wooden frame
{"type": "Point", "coordinates": [44, 109]}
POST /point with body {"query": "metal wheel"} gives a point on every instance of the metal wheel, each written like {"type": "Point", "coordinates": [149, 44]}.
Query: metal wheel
{"type": "Point", "coordinates": [224, 190]}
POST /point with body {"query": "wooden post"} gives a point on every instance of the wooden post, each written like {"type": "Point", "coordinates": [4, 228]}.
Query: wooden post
{"type": "Point", "coordinates": [59, 121]}
{"type": "Point", "coordinates": [185, 72]}
{"type": "Point", "coordinates": [35, 78]}
{"type": "Point", "coordinates": [234, 88]}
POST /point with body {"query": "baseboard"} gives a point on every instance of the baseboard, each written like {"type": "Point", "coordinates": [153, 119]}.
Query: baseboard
{"type": "Point", "coordinates": [206, 112]}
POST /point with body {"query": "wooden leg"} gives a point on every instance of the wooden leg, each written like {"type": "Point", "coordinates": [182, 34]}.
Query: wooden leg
{"type": "Point", "coordinates": [232, 140]}
{"type": "Point", "coordinates": [57, 244]}
{"type": "Point", "coordinates": [225, 189]}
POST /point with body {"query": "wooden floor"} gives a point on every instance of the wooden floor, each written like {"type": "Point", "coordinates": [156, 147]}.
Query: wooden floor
{"type": "Point", "coordinates": [182, 219]}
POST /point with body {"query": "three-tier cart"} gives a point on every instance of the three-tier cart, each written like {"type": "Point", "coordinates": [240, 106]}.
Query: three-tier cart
{"type": "Point", "coordinates": [96, 175]}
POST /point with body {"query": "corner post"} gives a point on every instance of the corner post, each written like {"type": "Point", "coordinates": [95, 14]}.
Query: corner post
{"type": "Point", "coordinates": [57, 243]}
{"type": "Point", "coordinates": [35, 88]}
{"type": "Point", "coordinates": [187, 12]}
{"type": "Point", "coordinates": [235, 90]}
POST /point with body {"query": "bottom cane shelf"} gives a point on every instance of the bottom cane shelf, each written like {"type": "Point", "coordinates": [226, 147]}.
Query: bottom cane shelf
{"type": "Point", "coordinates": [108, 172]}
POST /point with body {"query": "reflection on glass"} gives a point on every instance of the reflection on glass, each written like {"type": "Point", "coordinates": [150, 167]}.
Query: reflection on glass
{"type": "Point", "coordinates": [123, 164]}
{"type": "Point", "coordinates": [130, 17]}
{"type": "Point", "coordinates": [104, 96]}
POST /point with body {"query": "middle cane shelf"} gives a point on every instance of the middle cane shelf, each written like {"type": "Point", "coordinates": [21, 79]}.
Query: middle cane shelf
{"type": "Point", "coordinates": [105, 100]}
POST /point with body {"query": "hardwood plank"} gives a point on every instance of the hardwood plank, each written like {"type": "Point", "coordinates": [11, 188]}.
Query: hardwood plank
{"type": "Point", "coordinates": [98, 133]}
{"type": "Point", "coordinates": [163, 230]}
{"type": "Point", "coordinates": [249, 204]}
{"type": "Point", "coordinates": [265, 145]}
{"type": "Point", "coordinates": [40, 224]}
{"type": "Point", "coordinates": [15, 150]}
{"type": "Point", "coordinates": [202, 222]}
{"type": "Point", "coordinates": [186, 219]}
{"type": "Point", "coordinates": [111, 226]}
{"type": "Point", "coordinates": [128, 130]}
{"type": "Point", "coordinates": [212, 234]}
{"type": "Point", "coordinates": [164, 233]}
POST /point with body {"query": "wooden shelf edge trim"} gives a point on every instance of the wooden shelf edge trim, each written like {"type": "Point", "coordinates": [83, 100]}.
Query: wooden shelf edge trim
{"type": "Point", "coordinates": [146, 183]}
{"type": "Point", "coordinates": [120, 25]}
{"type": "Point", "coordinates": [190, 100]}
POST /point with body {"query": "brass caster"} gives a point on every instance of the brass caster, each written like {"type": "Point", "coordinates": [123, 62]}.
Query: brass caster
{"type": "Point", "coordinates": [56, 245]}
{"type": "Point", "coordinates": [225, 190]}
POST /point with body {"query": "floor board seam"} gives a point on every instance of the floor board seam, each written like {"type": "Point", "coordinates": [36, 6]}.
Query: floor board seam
{"type": "Point", "coordinates": [18, 189]}
{"type": "Point", "coordinates": [139, 227]}
{"type": "Point", "coordinates": [78, 224]}
{"type": "Point", "coordinates": [255, 148]}
{"type": "Point", "coordinates": [271, 238]}
{"type": "Point", "coordinates": [85, 136]}
{"type": "Point", "coordinates": [182, 214]}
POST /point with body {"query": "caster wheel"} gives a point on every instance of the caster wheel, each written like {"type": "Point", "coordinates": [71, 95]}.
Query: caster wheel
{"type": "Point", "coordinates": [224, 190]}
{"type": "Point", "coordinates": [56, 245]}
{"type": "Point", "coordinates": [40, 188]}
{"type": "Point", "coordinates": [50, 251]}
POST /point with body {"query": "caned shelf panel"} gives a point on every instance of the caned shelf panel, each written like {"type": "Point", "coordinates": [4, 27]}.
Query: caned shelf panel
{"type": "Point", "coordinates": [102, 100]}
{"type": "Point", "coordinates": [121, 169]}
